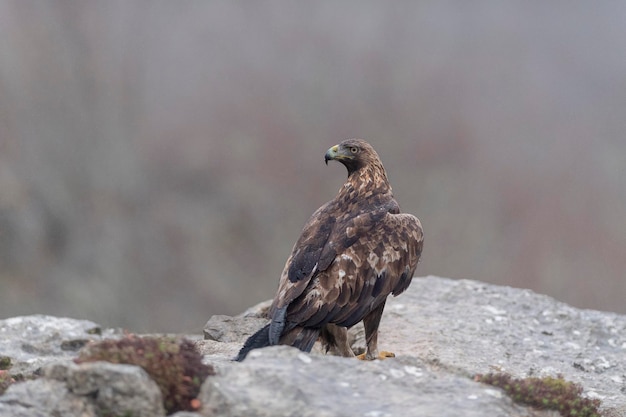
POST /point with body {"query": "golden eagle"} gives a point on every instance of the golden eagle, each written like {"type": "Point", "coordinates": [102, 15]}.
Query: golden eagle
{"type": "Point", "coordinates": [353, 252]}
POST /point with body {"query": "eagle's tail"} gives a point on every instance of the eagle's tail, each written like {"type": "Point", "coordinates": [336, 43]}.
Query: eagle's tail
{"type": "Point", "coordinates": [301, 337]}
{"type": "Point", "coordinates": [257, 340]}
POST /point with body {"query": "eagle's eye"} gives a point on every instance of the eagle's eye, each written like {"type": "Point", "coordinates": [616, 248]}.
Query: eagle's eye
{"type": "Point", "coordinates": [354, 150]}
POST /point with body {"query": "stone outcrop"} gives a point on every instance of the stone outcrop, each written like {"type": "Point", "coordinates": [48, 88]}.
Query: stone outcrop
{"type": "Point", "coordinates": [33, 341]}
{"type": "Point", "coordinates": [282, 381]}
{"type": "Point", "coordinates": [443, 332]}
{"type": "Point", "coordinates": [90, 389]}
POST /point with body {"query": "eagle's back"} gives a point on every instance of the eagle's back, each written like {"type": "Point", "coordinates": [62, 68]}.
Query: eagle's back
{"type": "Point", "coordinates": [378, 263]}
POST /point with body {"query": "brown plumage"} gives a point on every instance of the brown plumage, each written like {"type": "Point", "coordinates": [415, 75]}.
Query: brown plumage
{"type": "Point", "coordinates": [353, 252]}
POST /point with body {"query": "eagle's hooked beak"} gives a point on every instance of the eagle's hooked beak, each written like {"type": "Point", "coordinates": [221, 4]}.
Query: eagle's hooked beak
{"type": "Point", "coordinates": [331, 154]}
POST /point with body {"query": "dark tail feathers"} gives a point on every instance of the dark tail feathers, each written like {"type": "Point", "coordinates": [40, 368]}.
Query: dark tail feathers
{"type": "Point", "coordinates": [301, 337]}
{"type": "Point", "coordinates": [258, 340]}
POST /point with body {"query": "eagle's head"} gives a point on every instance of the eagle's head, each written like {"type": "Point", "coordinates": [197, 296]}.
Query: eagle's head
{"type": "Point", "coordinates": [354, 154]}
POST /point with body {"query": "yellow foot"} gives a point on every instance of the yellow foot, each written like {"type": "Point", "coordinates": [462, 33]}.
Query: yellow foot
{"type": "Point", "coordinates": [382, 355]}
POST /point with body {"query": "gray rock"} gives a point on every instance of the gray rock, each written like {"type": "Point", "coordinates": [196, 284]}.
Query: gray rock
{"type": "Point", "coordinates": [85, 390]}
{"type": "Point", "coordinates": [224, 335]}
{"type": "Point", "coordinates": [185, 414]}
{"type": "Point", "coordinates": [217, 354]}
{"type": "Point", "coordinates": [115, 388]}
{"type": "Point", "coordinates": [232, 329]}
{"type": "Point", "coordinates": [468, 327]}
{"type": "Point", "coordinates": [281, 381]}
{"type": "Point", "coordinates": [443, 331]}
{"type": "Point", "coordinates": [33, 341]}
{"type": "Point", "coordinates": [472, 327]}
{"type": "Point", "coordinates": [44, 398]}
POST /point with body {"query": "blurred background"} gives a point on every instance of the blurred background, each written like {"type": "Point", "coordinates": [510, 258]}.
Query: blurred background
{"type": "Point", "coordinates": [158, 159]}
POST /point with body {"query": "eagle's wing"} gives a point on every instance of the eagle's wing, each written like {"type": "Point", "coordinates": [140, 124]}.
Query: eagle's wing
{"type": "Point", "coordinates": [324, 236]}
{"type": "Point", "coordinates": [379, 262]}
{"type": "Point", "coordinates": [302, 264]}
{"type": "Point", "coordinates": [304, 258]}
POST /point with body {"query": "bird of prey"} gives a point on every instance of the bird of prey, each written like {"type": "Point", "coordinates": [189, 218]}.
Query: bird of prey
{"type": "Point", "coordinates": [353, 252]}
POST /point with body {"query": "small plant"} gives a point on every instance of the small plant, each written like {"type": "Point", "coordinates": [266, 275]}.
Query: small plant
{"type": "Point", "coordinates": [5, 363]}
{"type": "Point", "coordinates": [5, 381]}
{"type": "Point", "coordinates": [545, 393]}
{"type": "Point", "coordinates": [173, 364]}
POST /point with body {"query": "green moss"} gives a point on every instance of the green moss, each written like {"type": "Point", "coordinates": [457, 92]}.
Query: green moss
{"type": "Point", "coordinates": [95, 330]}
{"type": "Point", "coordinates": [173, 364]}
{"type": "Point", "coordinates": [545, 393]}
{"type": "Point", "coordinates": [5, 363]}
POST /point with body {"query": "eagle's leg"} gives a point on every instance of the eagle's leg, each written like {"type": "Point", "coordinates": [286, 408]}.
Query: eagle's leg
{"type": "Point", "coordinates": [335, 340]}
{"type": "Point", "coordinates": [371, 322]}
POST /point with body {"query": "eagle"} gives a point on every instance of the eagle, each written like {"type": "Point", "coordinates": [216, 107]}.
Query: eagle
{"type": "Point", "coordinates": [352, 253]}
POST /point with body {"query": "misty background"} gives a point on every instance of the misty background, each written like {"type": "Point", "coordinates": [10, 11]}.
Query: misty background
{"type": "Point", "coordinates": [159, 159]}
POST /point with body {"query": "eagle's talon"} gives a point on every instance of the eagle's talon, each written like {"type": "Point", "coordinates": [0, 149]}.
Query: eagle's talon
{"type": "Point", "coordinates": [382, 355]}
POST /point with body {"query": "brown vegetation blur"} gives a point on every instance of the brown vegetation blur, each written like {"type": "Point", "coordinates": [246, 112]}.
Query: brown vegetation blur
{"type": "Point", "coordinates": [158, 159]}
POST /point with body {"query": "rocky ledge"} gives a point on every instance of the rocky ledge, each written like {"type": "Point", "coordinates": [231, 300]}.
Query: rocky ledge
{"type": "Point", "coordinates": [444, 332]}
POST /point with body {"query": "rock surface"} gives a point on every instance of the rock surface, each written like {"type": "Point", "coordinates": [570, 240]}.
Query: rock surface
{"type": "Point", "coordinates": [86, 390]}
{"type": "Point", "coordinates": [43, 398]}
{"type": "Point", "coordinates": [281, 381]}
{"type": "Point", "coordinates": [33, 341]}
{"type": "Point", "coordinates": [473, 327]}
{"type": "Point", "coordinates": [232, 329]}
{"type": "Point", "coordinates": [443, 332]}
{"type": "Point", "coordinates": [467, 327]}
{"type": "Point", "coordinates": [118, 389]}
